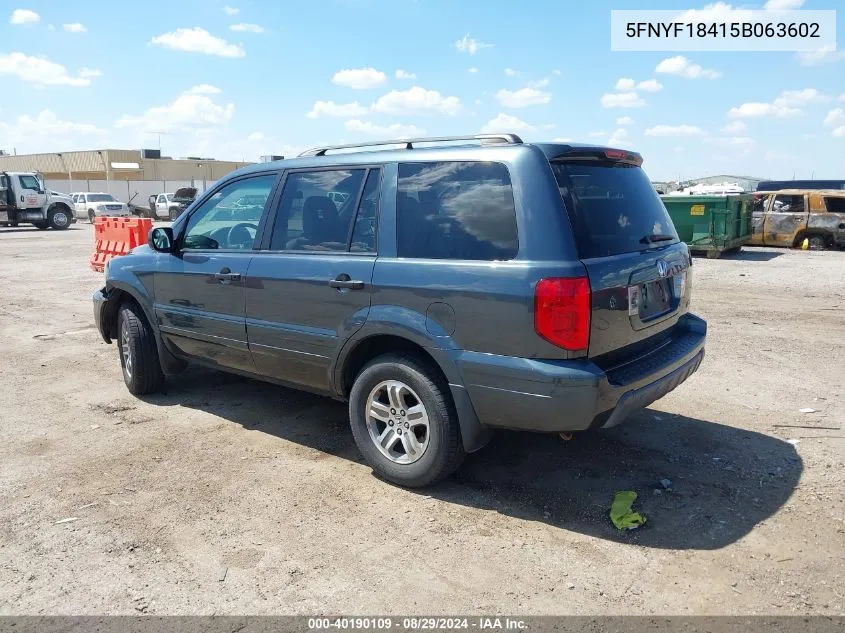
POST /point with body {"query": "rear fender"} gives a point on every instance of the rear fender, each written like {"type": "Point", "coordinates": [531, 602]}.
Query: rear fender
{"type": "Point", "coordinates": [411, 326]}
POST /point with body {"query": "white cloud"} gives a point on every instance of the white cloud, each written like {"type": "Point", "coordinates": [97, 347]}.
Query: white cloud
{"type": "Point", "coordinates": [231, 10]}
{"type": "Point", "coordinates": [619, 137]}
{"type": "Point", "coordinates": [198, 40]}
{"type": "Point", "coordinates": [417, 100]}
{"type": "Point", "coordinates": [742, 144]}
{"type": "Point", "coordinates": [470, 45]}
{"type": "Point", "coordinates": [783, 5]}
{"type": "Point", "coordinates": [624, 120]}
{"type": "Point", "coordinates": [674, 130]}
{"type": "Point", "coordinates": [506, 123]}
{"type": "Point", "coordinates": [523, 97]}
{"type": "Point", "coordinates": [683, 67]}
{"type": "Point", "coordinates": [735, 127]}
{"type": "Point", "coordinates": [24, 16]}
{"type": "Point", "coordinates": [785, 105]}
{"type": "Point", "coordinates": [715, 12]}
{"type": "Point", "coordinates": [754, 110]}
{"type": "Point", "coordinates": [540, 83]}
{"type": "Point", "coordinates": [43, 72]}
{"type": "Point", "coordinates": [359, 78]}
{"type": "Point", "coordinates": [824, 56]}
{"type": "Point", "coordinates": [472, 70]}
{"type": "Point", "coordinates": [255, 136]}
{"type": "Point", "coordinates": [556, 72]}
{"type": "Point", "coordinates": [404, 74]}
{"type": "Point", "coordinates": [330, 108]}
{"type": "Point", "coordinates": [622, 100]}
{"type": "Point", "coordinates": [650, 85]}
{"type": "Point", "coordinates": [192, 109]}
{"type": "Point", "coordinates": [394, 130]}
{"type": "Point", "coordinates": [800, 97]}
{"type": "Point", "coordinates": [625, 83]}
{"type": "Point", "coordinates": [75, 27]}
{"type": "Point", "coordinates": [510, 72]}
{"type": "Point", "coordinates": [839, 132]}
{"type": "Point", "coordinates": [46, 132]}
{"type": "Point", "coordinates": [203, 89]}
{"type": "Point", "coordinates": [835, 117]}
{"type": "Point", "coordinates": [245, 27]}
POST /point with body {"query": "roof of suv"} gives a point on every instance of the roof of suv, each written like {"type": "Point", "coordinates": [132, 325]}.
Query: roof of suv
{"type": "Point", "coordinates": [480, 149]}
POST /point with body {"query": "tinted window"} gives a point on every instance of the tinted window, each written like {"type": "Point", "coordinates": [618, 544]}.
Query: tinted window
{"type": "Point", "coordinates": [29, 182]}
{"type": "Point", "coordinates": [224, 221]}
{"type": "Point", "coordinates": [316, 210]}
{"type": "Point", "coordinates": [612, 207]}
{"type": "Point", "coordinates": [455, 210]}
{"type": "Point", "coordinates": [789, 204]}
{"type": "Point", "coordinates": [835, 205]}
{"type": "Point", "coordinates": [366, 220]}
{"type": "Point", "coordinates": [101, 197]}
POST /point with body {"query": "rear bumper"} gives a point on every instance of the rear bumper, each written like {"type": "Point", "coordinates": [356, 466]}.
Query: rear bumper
{"type": "Point", "coordinates": [555, 396]}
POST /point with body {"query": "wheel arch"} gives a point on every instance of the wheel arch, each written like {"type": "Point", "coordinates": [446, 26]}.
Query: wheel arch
{"type": "Point", "coordinates": [369, 345]}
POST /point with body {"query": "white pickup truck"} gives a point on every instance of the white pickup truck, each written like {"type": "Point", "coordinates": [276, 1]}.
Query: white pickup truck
{"type": "Point", "coordinates": [25, 200]}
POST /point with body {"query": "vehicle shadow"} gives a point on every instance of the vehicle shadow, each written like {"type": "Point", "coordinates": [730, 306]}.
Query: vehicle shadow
{"type": "Point", "coordinates": [753, 255]}
{"type": "Point", "coordinates": [724, 480]}
{"type": "Point", "coordinates": [32, 229]}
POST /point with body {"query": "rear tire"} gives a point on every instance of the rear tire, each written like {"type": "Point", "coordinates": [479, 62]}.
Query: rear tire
{"type": "Point", "coordinates": [138, 352]}
{"type": "Point", "coordinates": [818, 242]}
{"type": "Point", "coordinates": [59, 218]}
{"type": "Point", "coordinates": [173, 213]}
{"type": "Point", "coordinates": [413, 461]}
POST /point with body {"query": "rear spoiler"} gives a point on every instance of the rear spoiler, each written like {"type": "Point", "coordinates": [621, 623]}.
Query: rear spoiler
{"type": "Point", "coordinates": [601, 154]}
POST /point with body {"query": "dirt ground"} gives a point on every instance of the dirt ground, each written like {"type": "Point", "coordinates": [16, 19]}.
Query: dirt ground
{"type": "Point", "coordinates": [230, 496]}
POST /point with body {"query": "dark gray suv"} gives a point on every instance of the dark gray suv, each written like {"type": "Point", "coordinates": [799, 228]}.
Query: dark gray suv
{"type": "Point", "coordinates": [445, 288]}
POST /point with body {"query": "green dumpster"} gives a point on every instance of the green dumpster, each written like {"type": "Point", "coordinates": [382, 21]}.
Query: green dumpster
{"type": "Point", "coordinates": [711, 224]}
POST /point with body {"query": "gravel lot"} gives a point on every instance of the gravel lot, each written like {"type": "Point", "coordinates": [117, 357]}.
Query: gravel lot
{"type": "Point", "coordinates": [231, 496]}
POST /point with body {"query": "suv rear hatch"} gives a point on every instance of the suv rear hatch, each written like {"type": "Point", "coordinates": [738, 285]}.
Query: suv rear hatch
{"type": "Point", "coordinates": [636, 265]}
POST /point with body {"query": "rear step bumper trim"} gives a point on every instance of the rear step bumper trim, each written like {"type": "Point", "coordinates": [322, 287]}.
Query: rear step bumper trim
{"type": "Point", "coordinates": [575, 395]}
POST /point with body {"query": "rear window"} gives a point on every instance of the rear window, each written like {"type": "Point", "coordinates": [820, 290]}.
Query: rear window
{"type": "Point", "coordinates": [612, 207]}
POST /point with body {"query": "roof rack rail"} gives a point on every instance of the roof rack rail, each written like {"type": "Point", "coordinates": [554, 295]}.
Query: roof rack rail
{"type": "Point", "coordinates": [491, 139]}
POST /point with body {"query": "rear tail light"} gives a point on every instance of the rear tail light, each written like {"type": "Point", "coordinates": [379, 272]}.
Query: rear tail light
{"type": "Point", "coordinates": [562, 311]}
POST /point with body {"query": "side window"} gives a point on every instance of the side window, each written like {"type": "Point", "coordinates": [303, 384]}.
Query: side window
{"type": "Point", "coordinates": [835, 204]}
{"type": "Point", "coordinates": [29, 182]}
{"type": "Point", "coordinates": [316, 210]}
{"type": "Point", "coordinates": [230, 217]}
{"type": "Point", "coordinates": [456, 210]}
{"type": "Point", "coordinates": [162, 199]}
{"type": "Point", "coordinates": [366, 220]}
{"type": "Point", "coordinates": [788, 204]}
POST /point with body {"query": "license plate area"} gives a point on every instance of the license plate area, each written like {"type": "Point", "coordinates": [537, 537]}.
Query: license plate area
{"type": "Point", "coordinates": [652, 299]}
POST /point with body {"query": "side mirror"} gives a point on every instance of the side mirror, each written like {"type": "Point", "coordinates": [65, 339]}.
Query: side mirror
{"type": "Point", "coordinates": [161, 239]}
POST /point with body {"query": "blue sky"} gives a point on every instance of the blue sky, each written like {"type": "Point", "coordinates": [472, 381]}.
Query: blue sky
{"type": "Point", "coordinates": [240, 78]}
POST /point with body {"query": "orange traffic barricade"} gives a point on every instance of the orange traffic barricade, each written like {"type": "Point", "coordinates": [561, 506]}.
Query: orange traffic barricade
{"type": "Point", "coordinates": [114, 237]}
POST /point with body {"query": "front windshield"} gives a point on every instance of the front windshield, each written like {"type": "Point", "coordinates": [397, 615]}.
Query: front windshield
{"type": "Point", "coordinates": [101, 197]}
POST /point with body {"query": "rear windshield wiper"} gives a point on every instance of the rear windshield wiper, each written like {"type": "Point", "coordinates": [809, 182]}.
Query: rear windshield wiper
{"type": "Point", "coordinates": [656, 237]}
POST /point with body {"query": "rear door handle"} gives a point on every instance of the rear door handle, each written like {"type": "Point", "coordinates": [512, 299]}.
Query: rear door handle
{"type": "Point", "coordinates": [226, 275]}
{"type": "Point", "coordinates": [344, 281]}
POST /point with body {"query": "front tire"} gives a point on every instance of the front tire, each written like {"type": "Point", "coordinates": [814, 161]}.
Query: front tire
{"type": "Point", "coordinates": [138, 352]}
{"type": "Point", "coordinates": [173, 213]}
{"type": "Point", "coordinates": [59, 218]}
{"type": "Point", "coordinates": [41, 225]}
{"type": "Point", "coordinates": [404, 421]}
{"type": "Point", "coordinates": [91, 216]}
